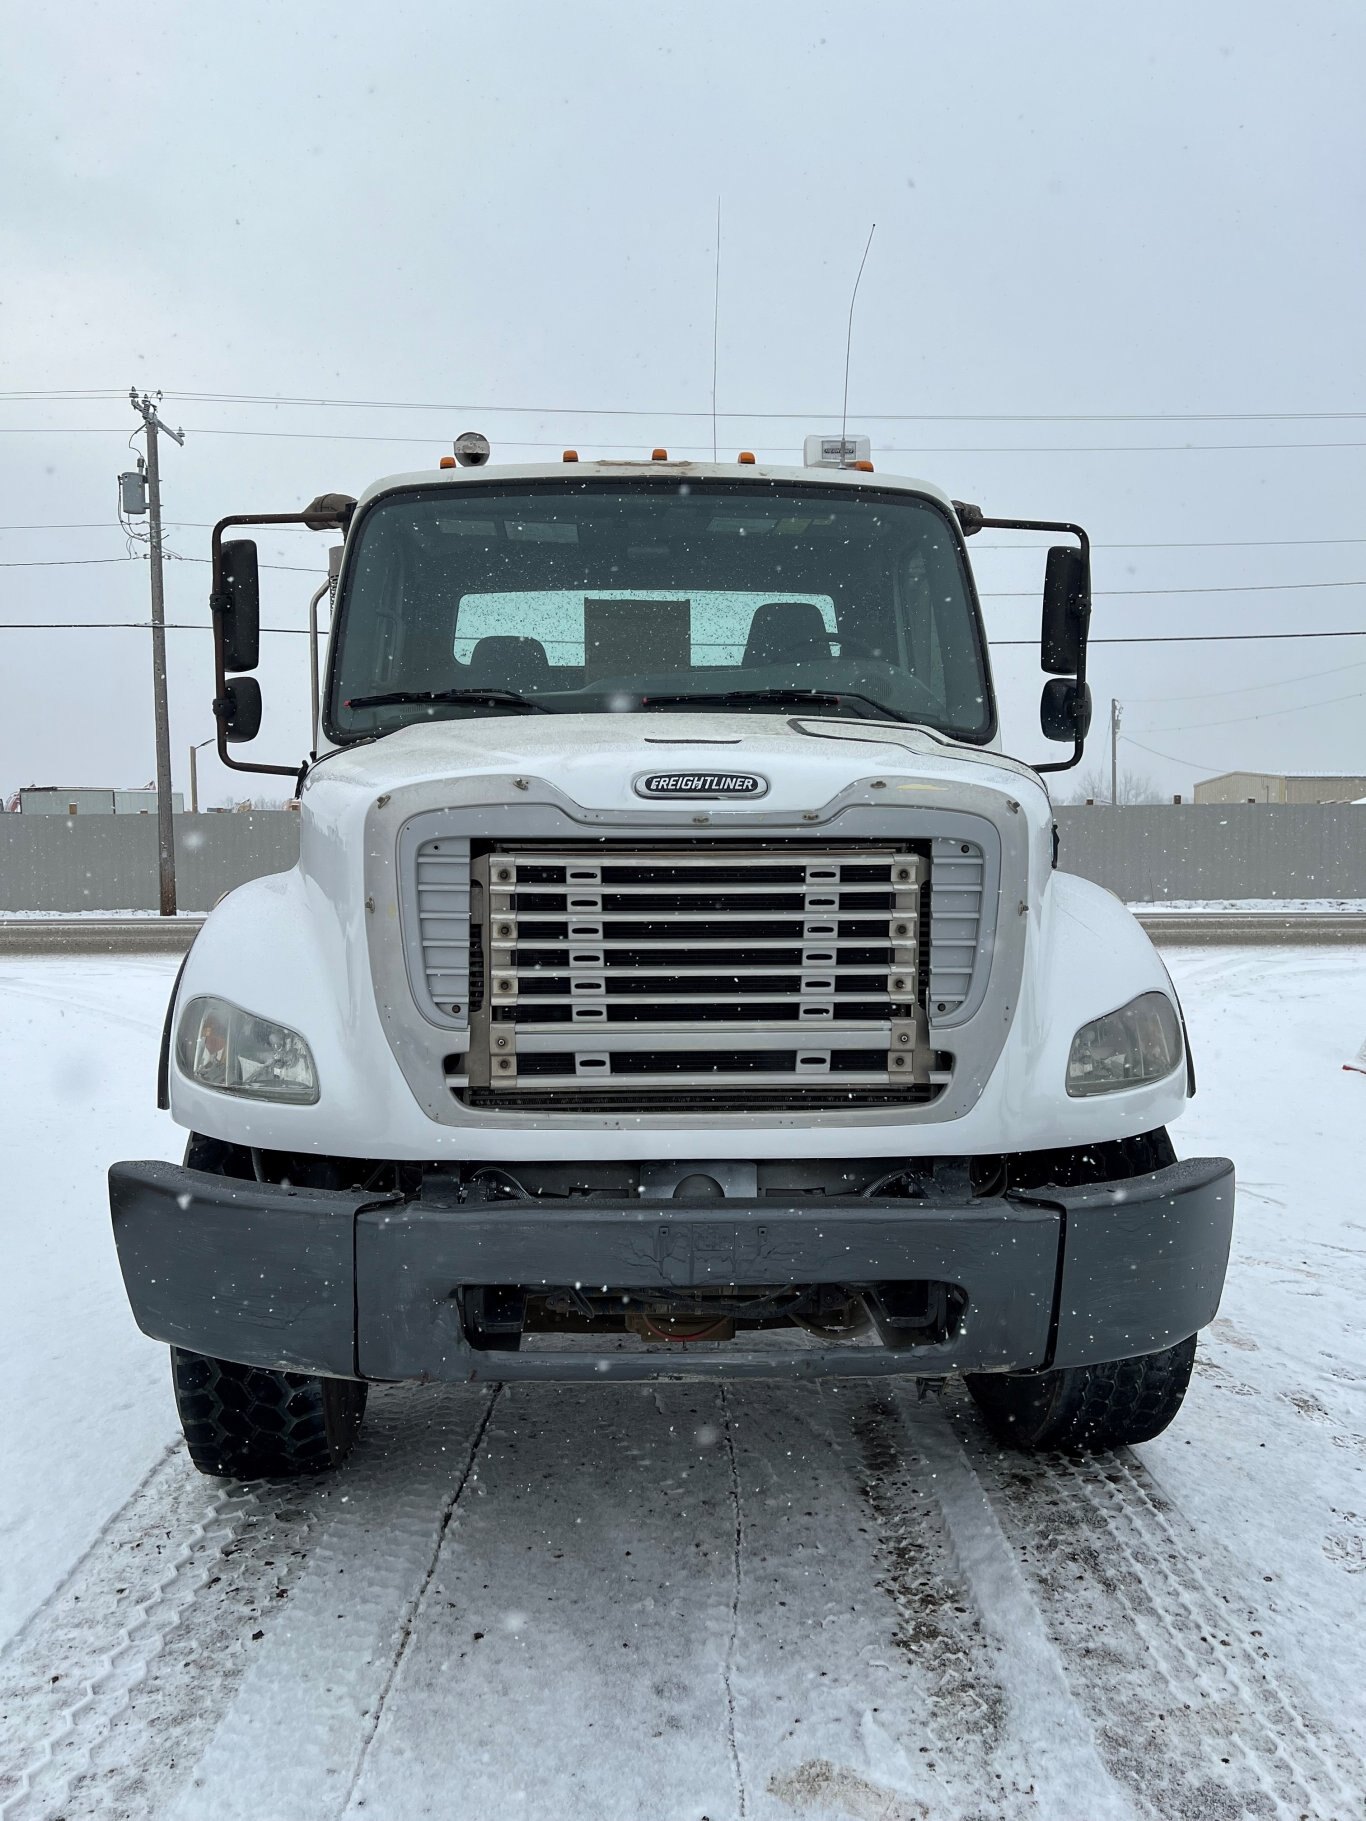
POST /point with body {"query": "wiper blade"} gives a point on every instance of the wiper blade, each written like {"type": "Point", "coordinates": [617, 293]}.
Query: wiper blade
{"type": "Point", "coordinates": [777, 698]}
{"type": "Point", "coordinates": [479, 698]}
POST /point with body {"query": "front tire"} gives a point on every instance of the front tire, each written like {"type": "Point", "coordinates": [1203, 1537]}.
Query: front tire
{"type": "Point", "coordinates": [247, 1423]}
{"type": "Point", "coordinates": [1085, 1409]}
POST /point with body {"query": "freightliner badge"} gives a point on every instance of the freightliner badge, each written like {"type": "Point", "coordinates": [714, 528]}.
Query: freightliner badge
{"type": "Point", "coordinates": [701, 784]}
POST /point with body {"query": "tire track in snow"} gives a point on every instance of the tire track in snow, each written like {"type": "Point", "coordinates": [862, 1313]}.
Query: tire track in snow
{"type": "Point", "coordinates": [410, 1618]}
{"type": "Point", "coordinates": [733, 1641]}
{"type": "Point", "coordinates": [291, 1745]}
{"type": "Point", "coordinates": [81, 1005]}
{"type": "Point", "coordinates": [97, 1665]}
{"type": "Point", "coordinates": [568, 1657]}
{"type": "Point", "coordinates": [1068, 1778]}
{"type": "Point", "coordinates": [1163, 1659]}
{"type": "Point", "coordinates": [964, 1720]}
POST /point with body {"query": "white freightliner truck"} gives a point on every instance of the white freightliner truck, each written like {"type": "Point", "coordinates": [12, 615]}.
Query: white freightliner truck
{"type": "Point", "coordinates": [676, 980]}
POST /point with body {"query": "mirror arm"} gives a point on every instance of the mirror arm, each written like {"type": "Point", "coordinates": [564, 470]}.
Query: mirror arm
{"type": "Point", "coordinates": [217, 599]}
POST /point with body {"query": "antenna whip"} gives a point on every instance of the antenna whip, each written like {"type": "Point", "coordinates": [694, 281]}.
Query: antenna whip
{"type": "Point", "coordinates": [849, 341]}
{"type": "Point", "coordinates": [715, 327]}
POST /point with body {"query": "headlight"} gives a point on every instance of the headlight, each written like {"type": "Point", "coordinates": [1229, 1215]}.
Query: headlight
{"type": "Point", "coordinates": [221, 1046]}
{"type": "Point", "coordinates": [1140, 1042]}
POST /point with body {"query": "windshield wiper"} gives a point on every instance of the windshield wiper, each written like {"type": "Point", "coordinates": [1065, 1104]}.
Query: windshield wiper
{"type": "Point", "coordinates": [478, 698]}
{"type": "Point", "coordinates": [777, 698]}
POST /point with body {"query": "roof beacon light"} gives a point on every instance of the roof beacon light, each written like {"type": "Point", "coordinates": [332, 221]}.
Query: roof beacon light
{"type": "Point", "coordinates": [836, 451]}
{"type": "Point", "coordinates": [471, 449]}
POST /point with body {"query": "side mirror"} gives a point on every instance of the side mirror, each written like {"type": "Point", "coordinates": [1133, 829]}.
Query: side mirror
{"type": "Point", "coordinates": [1066, 596]}
{"type": "Point", "coordinates": [239, 709]}
{"type": "Point", "coordinates": [239, 607]}
{"type": "Point", "coordinates": [1065, 709]}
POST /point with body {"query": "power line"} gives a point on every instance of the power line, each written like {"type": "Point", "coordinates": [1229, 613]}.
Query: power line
{"type": "Point", "coordinates": [127, 626]}
{"type": "Point", "coordinates": [1031, 594]}
{"type": "Point", "coordinates": [636, 411]}
{"type": "Point", "coordinates": [69, 562]}
{"type": "Point", "coordinates": [879, 417]}
{"type": "Point", "coordinates": [1251, 543]}
{"type": "Point", "coordinates": [1266, 714]}
{"type": "Point", "coordinates": [1256, 543]}
{"type": "Point", "coordinates": [1151, 638]}
{"type": "Point", "coordinates": [1200, 764]}
{"type": "Point", "coordinates": [1242, 689]}
{"type": "Point", "coordinates": [1192, 638]}
{"type": "Point", "coordinates": [174, 556]}
{"type": "Point", "coordinates": [333, 436]}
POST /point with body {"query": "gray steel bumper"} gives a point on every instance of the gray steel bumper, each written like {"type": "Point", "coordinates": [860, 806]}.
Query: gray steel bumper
{"type": "Point", "coordinates": [352, 1285]}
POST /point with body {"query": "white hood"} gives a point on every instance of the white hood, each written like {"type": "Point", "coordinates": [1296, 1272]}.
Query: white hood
{"type": "Point", "coordinates": [594, 759]}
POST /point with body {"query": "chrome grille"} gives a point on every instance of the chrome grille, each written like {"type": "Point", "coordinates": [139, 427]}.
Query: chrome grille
{"type": "Point", "coordinates": [649, 976]}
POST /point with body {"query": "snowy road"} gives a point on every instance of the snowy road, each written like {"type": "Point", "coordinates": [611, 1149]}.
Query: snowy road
{"type": "Point", "coordinates": [771, 1601]}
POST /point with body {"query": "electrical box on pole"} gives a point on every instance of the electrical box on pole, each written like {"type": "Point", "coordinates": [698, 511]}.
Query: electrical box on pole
{"type": "Point", "coordinates": [133, 492]}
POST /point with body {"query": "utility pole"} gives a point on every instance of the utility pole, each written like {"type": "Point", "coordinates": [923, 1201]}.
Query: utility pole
{"type": "Point", "coordinates": [1115, 712]}
{"type": "Point", "coordinates": [147, 411]}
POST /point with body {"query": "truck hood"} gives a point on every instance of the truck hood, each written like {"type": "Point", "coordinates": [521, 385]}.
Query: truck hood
{"type": "Point", "coordinates": [595, 759]}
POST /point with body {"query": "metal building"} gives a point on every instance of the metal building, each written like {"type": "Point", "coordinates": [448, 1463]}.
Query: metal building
{"type": "Point", "coordinates": [1292, 787]}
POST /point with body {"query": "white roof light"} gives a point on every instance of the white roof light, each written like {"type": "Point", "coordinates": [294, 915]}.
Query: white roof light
{"type": "Point", "coordinates": [471, 449]}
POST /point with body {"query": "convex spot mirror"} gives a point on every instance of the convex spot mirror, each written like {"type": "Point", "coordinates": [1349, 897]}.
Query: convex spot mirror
{"type": "Point", "coordinates": [1066, 596]}
{"type": "Point", "coordinates": [239, 611]}
{"type": "Point", "coordinates": [1065, 710]}
{"type": "Point", "coordinates": [239, 712]}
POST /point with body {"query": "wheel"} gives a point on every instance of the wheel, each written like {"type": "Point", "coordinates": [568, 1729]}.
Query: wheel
{"type": "Point", "coordinates": [1086, 1409]}
{"type": "Point", "coordinates": [246, 1423]}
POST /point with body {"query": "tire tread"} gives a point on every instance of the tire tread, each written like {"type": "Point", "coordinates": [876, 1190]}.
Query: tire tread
{"type": "Point", "coordinates": [246, 1422]}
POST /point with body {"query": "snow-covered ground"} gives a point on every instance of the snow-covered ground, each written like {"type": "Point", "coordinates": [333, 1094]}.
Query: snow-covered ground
{"type": "Point", "coordinates": [771, 1601]}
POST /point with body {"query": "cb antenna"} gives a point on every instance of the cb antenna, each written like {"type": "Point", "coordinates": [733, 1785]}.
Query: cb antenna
{"type": "Point", "coordinates": [715, 326]}
{"type": "Point", "coordinates": [849, 342]}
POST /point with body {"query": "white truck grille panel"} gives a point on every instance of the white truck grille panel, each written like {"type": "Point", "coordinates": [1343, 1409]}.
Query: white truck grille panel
{"type": "Point", "coordinates": [957, 881]}
{"type": "Point", "coordinates": [443, 926]}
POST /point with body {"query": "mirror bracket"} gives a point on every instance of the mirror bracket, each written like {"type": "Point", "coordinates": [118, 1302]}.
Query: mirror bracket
{"type": "Point", "coordinates": [331, 512]}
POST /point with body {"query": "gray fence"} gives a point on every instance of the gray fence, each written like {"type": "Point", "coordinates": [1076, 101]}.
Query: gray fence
{"type": "Point", "coordinates": [109, 863]}
{"type": "Point", "coordinates": [1197, 851]}
{"type": "Point", "coordinates": [1151, 852]}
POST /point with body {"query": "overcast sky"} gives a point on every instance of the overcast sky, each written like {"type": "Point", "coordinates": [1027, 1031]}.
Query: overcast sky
{"type": "Point", "coordinates": [508, 211]}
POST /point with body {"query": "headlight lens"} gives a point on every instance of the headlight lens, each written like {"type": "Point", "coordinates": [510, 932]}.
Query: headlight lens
{"type": "Point", "coordinates": [1140, 1042]}
{"type": "Point", "coordinates": [221, 1046]}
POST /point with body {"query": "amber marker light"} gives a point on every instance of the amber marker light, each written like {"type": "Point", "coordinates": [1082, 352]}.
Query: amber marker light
{"type": "Point", "coordinates": [746, 458]}
{"type": "Point", "coordinates": [570, 455]}
{"type": "Point", "coordinates": [659, 455]}
{"type": "Point", "coordinates": [863, 467]}
{"type": "Point", "coordinates": [447, 461]}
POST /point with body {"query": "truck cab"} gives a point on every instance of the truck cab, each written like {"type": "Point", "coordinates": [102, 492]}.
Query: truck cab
{"type": "Point", "coordinates": [677, 979]}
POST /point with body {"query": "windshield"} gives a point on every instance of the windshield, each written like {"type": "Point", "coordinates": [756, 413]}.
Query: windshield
{"type": "Point", "coordinates": [627, 595]}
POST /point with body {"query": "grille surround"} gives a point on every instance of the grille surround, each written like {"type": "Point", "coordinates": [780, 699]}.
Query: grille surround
{"type": "Point", "coordinates": [430, 1049]}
